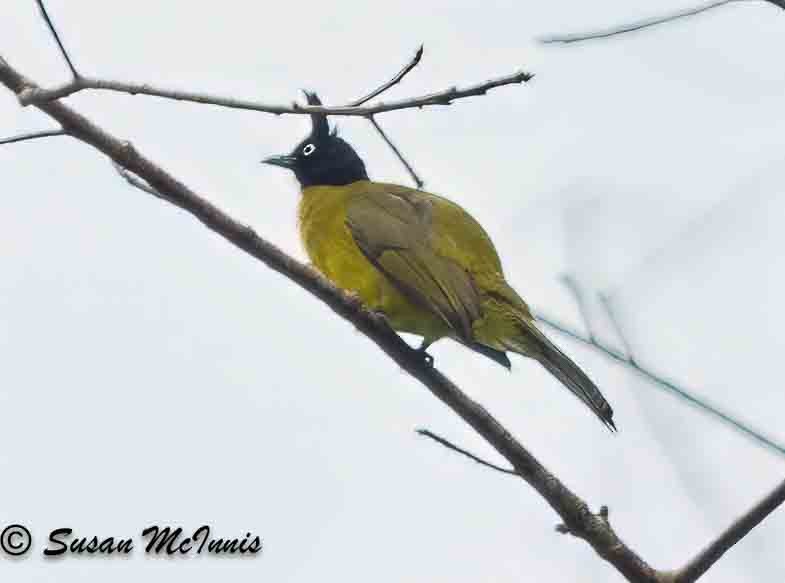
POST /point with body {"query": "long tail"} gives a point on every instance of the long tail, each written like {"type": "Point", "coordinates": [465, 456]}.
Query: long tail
{"type": "Point", "coordinates": [537, 346]}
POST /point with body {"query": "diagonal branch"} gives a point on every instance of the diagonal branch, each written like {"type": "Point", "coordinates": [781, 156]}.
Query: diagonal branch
{"type": "Point", "coordinates": [701, 403]}
{"type": "Point", "coordinates": [643, 23]}
{"type": "Point", "coordinates": [733, 534]}
{"type": "Point", "coordinates": [573, 510]}
{"type": "Point", "coordinates": [397, 78]}
{"type": "Point", "coordinates": [33, 136]}
{"type": "Point", "coordinates": [37, 96]}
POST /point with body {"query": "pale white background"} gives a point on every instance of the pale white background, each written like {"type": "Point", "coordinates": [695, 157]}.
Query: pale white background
{"type": "Point", "coordinates": [150, 372]}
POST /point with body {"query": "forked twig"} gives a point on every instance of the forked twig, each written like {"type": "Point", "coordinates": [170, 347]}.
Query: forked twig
{"type": "Point", "coordinates": [38, 96]}
{"type": "Point", "coordinates": [606, 303]}
{"type": "Point", "coordinates": [397, 78]}
{"type": "Point", "coordinates": [577, 294]}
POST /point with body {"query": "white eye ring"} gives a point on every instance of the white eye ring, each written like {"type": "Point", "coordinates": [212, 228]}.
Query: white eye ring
{"type": "Point", "coordinates": [309, 149]}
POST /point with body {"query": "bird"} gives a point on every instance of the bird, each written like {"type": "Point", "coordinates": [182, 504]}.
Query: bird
{"type": "Point", "coordinates": [416, 258]}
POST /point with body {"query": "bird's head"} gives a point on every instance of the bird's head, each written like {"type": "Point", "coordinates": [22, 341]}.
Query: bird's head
{"type": "Point", "coordinates": [322, 158]}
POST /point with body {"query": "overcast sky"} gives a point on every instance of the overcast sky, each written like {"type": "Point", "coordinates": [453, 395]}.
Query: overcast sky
{"type": "Point", "coordinates": [152, 373]}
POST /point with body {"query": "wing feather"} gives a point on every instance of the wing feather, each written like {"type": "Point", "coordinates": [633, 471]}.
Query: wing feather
{"type": "Point", "coordinates": [394, 232]}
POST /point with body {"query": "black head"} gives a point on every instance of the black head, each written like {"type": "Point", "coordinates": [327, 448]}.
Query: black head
{"type": "Point", "coordinates": [322, 158]}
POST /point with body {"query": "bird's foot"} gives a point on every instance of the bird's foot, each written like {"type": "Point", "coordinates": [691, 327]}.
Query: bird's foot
{"type": "Point", "coordinates": [383, 317]}
{"type": "Point", "coordinates": [427, 358]}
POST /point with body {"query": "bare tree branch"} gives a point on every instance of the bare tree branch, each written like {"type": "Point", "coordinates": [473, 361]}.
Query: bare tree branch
{"type": "Point", "coordinates": [644, 23]}
{"type": "Point", "coordinates": [580, 301]}
{"type": "Point", "coordinates": [80, 83]}
{"type": "Point", "coordinates": [32, 136]}
{"type": "Point", "coordinates": [56, 36]}
{"type": "Point", "coordinates": [468, 454]}
{"type": "Point", "coordinates": [701, 403]}
{"type": "Point", "coordinates": [573, 511]}
{"type": "Point", "coordinates": [733, 534]}
{"type": "Point", "coordinates": [39, 96]}
{"type": "Point", "coordinates": [397, 152]}
{"type": "Point", "coordinates": [397, 78]}
{"type": "Point", "coordinates": [606, 303]}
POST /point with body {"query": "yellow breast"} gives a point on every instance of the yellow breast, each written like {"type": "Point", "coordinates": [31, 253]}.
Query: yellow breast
{"type": "Point", "coordinates": [332, 250]}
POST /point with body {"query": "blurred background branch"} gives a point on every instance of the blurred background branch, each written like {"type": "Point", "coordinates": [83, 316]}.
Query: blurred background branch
{"type": "Point", "coordinates": [626, 359]}
{"type": "Point", "coordinates": [643, 23]}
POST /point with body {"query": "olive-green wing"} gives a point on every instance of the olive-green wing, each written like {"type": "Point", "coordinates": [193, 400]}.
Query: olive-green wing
{"type": "Point", "coordinates": [394, 231]}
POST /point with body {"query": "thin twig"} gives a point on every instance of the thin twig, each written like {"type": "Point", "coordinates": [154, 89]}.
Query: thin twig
{"type": "Point", "coordinates": [397, 78]}
{"type": "Point", "coordinates": [733, 534]}
{"type": "Point", "coordinates": [397, 152]}
{"type": "Point", "coordinates": [644, 23]}
{"type": "Point", "coordinates": [615, 322]}
{"type": "Point", "coordinates": [633, 26]}
{"type": "Point", "coordinates": [701, 403]}
{"type": "Point", "coordinates": [479, 460]}
{"type": "Point", "coordinates": [51, 27]}
{"type": "Point", "coordinates": [33, 136]}
{"type": "Point", "coordinates": [580, 301]}
{"type": "Point", "coordinates": [39, 96]}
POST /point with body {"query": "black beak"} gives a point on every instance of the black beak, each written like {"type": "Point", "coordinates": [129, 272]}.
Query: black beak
{"type": "Point", "coordinates": [288, 162]}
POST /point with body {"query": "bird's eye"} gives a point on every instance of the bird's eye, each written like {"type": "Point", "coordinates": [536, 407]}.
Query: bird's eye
{"type": "Point", "coordinates": [308, 149]}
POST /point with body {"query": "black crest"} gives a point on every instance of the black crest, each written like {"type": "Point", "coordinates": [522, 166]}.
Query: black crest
{"type": "Point", "coordinates": [323, 158]}
{"type": "Point", "coordinates": [320, 127]}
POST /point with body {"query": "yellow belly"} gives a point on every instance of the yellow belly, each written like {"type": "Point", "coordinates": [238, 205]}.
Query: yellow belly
{"type": "Point", "coordinates": [332, 250]}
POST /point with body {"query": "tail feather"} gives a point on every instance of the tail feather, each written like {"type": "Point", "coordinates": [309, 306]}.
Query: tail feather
{"type": "Point", "coordinates": [537, 346]}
